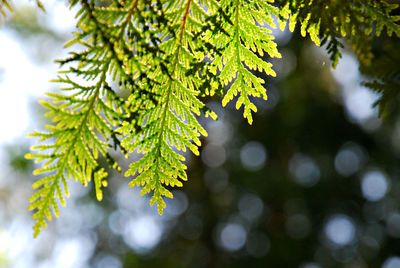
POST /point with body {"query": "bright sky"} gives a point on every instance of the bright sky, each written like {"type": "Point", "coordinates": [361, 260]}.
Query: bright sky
{"type": "Point", "coordinates": [21, 79]}
{"type": "Point", "coordinates": [358, 100]}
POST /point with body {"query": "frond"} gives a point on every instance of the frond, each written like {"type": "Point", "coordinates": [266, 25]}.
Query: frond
{"type": "Point", "coordinates": [172, 124]}
{"type": "Point", "coordinates": [83, 118]}
{"type": "Point", "coordinates": [244, 45]}
{"type": "Point", "coordinates": [169, 55]}
{"type": "Point", "coordinates": [332, 21]}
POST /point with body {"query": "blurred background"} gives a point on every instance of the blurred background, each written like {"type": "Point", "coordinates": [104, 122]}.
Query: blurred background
{"type": "Point", "coordinates": [313, 183]}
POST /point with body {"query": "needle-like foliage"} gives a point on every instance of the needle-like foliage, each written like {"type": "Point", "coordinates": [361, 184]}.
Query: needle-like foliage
{"type": "Point", "coordinates": [171, 124]}
{"type": "Point", "coordinates": [4, 6]}
{"type": "Point", "coordinates": [170, 55]}
{"type": "Point", "coordinates": [332, 21]}
{"type": "Point", "coordinates": [245, 40]}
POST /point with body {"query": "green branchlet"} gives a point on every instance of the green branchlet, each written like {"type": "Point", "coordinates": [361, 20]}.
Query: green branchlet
{"type": "Point", "coordinates": [168, 55]}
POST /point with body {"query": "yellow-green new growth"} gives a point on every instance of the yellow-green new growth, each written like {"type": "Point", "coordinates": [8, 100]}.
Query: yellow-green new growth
{"type": "Point", "coordinates": [168, 55]}
{"type": "Point", "coordinates": [248, 34]}
{"type": "Point", "coordinates": [172, 124]}
{"type": "Point", "coordinates": [83, 121]}
{"type": "Point", "coordinates": [74, 152]}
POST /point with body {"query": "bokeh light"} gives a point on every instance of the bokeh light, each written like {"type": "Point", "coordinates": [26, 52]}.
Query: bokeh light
{"type": "Point", "coordinates": [108, 261]}
{"type": "Point", "coordinates": [340, 230]}
{"type": "Point", "coordinates": [219, 132]}
{"type": "Point", "coordinates": [253, 156]}
{"type": "Point", "coordinates": [178, 205]}
{"type": "Point", "coordinates": [304, 170]}
{"type": "Point", "coordinates": [250, 206]}
{"type": "Point", "coordinates": [73, 252]}
{"type": "Point", "coordinates": [359, 104]}
{"type": "Point", "coordinates": [142, 234]}
{"type": "Point", "coordinates": [310, 265]}
{"type": "Point", "coordinates": [374, 185]}
{"type": "Point", "coordinates": [349, 159]}
{"type": "Point", "coordinates": [213, 155]}
{"type": "Point", "coordinates": [233, 236]}
{"type": "Point", "coordinates": [392, 262]}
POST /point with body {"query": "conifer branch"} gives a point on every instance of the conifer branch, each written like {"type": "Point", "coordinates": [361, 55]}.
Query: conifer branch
{"type": "Point", "coordinates": [75, 143]}
{"type": "Point", "coordinates": [165, 125]}
{"type": "Point", "coordinates": [169, 55]}
{"type": "Point", "coordinates": [240, 48]}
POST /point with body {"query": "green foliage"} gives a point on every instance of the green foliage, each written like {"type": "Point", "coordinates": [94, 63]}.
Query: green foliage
{"type": "Point", "coordinates": [244, 35]}
{"type": "Point", "coordinates": [355, 20]}
{"type": "Point", "coordinates": [170, 56]}
{"type": "Point", "coordinates": [172, 123]}
{"type": "Point", "coordinates": [384, 76]}
{"type": "Point", "coordinates": [83, 120]}
{"type": "Point", "coordinates": [4, 6]}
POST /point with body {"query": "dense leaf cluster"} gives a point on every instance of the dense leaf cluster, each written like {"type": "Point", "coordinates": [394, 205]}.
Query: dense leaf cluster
{"type": "Point", "coordinates": [169, 56]}
{"type": "Point", "coordinates": [358, 21]}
